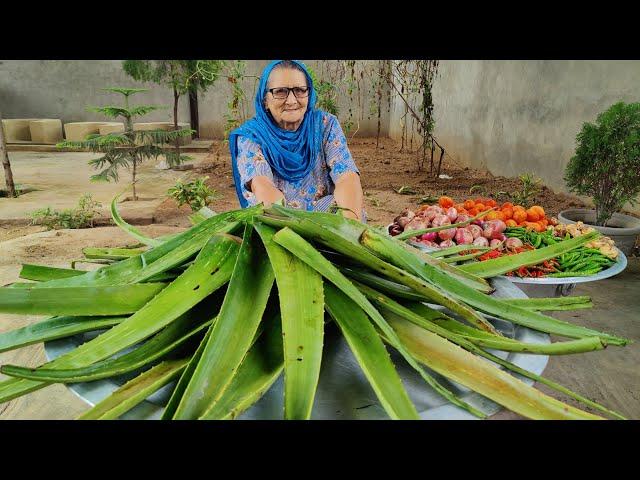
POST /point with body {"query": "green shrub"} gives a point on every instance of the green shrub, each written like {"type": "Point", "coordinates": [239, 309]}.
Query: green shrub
{"type": "Point", "coordinates": [80, 217]}
{"type": "Point", "coordinates": [606, 166]}
{"type": "Point", "coordinates": [195, 193]}
{"type": "Point", "coordinates": [530, 188]}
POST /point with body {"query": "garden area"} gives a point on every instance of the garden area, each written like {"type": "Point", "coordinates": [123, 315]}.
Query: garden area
{"type": "Point", "coordinates": [132, 284]}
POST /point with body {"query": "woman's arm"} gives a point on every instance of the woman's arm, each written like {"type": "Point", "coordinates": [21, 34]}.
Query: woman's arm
{"type": "Point", "coordinates": [348, 194]}
{"type": "Point", "coordinates": [265, 191]}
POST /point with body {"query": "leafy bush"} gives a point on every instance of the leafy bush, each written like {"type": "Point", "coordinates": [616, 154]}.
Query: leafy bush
{"type": "Point", "coordinates": [606, 165]}
{"type": "Point", "coordinates": [80, 217]}
{"type": "Point", "coordinates": [530, 188]}
{"type": "Point", "coordinates": [195, 193]}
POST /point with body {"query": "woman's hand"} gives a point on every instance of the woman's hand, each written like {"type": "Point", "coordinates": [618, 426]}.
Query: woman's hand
{"type": "Point", "coordinates": [265, 191]}
{"type": "Point", "coordinates": [348, 194]}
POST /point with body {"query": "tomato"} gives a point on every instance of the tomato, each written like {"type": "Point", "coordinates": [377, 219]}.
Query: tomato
{"type": "Point", "coordinates": [507, 212]}
{"type": "Point", "coordinates": [511, 223]}
{"type": "Point", "coordinates": [445, 202]}
{"type": "Point", "coordinates": [538, 209]}
{"type": "Point", "coordinates": [468, 204]}
{"type": "Point", "coordinates": [532, 215]}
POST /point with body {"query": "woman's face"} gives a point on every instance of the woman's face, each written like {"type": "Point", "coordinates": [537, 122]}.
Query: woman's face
{"type": "Point", "coordinates": [287, 112]}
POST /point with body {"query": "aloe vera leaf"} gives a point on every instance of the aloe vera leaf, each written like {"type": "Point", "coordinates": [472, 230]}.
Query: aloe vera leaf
{"type": "Point", "coordinates": [345, 245]}
{"type": "Point", "coordinates": [90, 301]}
{"type": "Point", "coordinates": [134, 232]}
{"type": "Point", "coordinates": [487, 340]}
{"type": "Point", "coordinates": [259, 370]}
{"type": "Point", "coordinates": [302, 310]}
{"type": "Point", "coordinates": [382, 284]}
{"type": "Point", "coordinates": [305, 252]}
{"type": "Point", "coordinates": [352, 230]}
{"type": "Point", "coordinates": [41, 273]}
{"type": "Point", "coordinates": [211, 270]}
{"type": "Point", "coordinates": [201, 215]}
{"type": "Point", "coordinates": [552, 303]}
{"type": "Point", "coordinates": [165, 341]}
{"type": "Point", "coordinates": [432, 320]}
{"type": "Point", "coordinates": [439, 279]}
{"type": "Point", "coordinates": [445, 252]}
{"type": "Point", "coordinates": [371, 354]}
{"type": "Point", "coordinates": [412, 233]}
{"type": "Point", "coordinates": [233, 332]}
{"type": "Point", "coordinates": [484, 378]}
{"type": "Point", "coordinates": [53, 328]}
{"type": "Point", "coordinates": [159, 259]}
{"type": "Point", "coordinates": [486, 303]}
{"type": "Point", "coordinates": [185, 378]}
{"type": "Point", "coordinates": [507, 263]}
{"type": "Point", "coordinates": [473, 281]}
{"type": "Point", "coordinates": [135, 391]}
{"type": "Point", "coordinates": [462, 258]}
{"type": "Point", "coordinates": [112, 253]}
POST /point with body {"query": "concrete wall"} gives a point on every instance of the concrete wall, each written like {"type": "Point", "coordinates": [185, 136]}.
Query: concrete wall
{"type": "Point", "coordinates": [522, 116]}
{"type": "Point", "coordinates": [64, 88]}
{"type": "Point", "coordinates": [212, 105]}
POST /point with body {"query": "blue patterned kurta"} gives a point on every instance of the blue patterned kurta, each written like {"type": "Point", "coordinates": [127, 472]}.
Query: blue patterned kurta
{"type": "Point", "coordinates": [315, 192]}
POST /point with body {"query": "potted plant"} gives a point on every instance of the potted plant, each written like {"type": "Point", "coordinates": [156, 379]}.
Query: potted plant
{"type": "Point", "coordinates": [606, 167]}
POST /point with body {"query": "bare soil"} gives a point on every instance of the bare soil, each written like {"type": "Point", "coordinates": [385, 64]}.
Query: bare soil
{"type": "Point", "coordinates": [384, 169]}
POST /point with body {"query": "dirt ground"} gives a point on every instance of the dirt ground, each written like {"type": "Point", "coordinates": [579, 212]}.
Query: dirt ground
{"type": "Point", "coordinates": [383, 171]}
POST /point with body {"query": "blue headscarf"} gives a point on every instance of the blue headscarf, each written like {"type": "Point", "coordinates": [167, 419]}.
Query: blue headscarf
{"type": "Point", "coordinates": [291, 155]}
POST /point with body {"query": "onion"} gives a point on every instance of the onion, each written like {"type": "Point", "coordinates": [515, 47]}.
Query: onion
{"type": "Point", "coordinates": [488, 231]}
{"type": "Point", "coordinates": [403, 221]}
{"type": "Point", "coordinates": [429, 237]}
{"type": "Point", "coordinates": [452, 213]}
{"type": "Point", "coordinates": [417, 224]}
{"type": "Point", "coordinates": [441, 220]}
{"type": "Point", "coordinates": [463, 236]}
{"type": "Point", "coordinates": [481, 242]}
{"type": "Point", "coordinates": [429, 244]}
{"type": "Point", "coordinates": [475, 230]}
{"type": "Point", "coordinates": [463, 217]}
{"type": "Point", "coordinates": [498, 225]}
{"type": "Point", "coordinates": [495, 243]}
{"type": "Point", "coordinates": [513, 242]}
{"type": "Point", "coordinates": [499, 236]}
{"type": "Point", "coordinates": [447, 244]}
{"type": "Point", "coordinates": [447, 234]}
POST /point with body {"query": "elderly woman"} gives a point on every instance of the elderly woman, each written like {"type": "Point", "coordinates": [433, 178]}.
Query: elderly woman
{"type": "Point", "coordinates": [293, 151]}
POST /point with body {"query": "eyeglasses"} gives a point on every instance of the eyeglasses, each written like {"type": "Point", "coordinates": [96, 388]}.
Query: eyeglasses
{"type": "Point", "coordinates": [282, 93]}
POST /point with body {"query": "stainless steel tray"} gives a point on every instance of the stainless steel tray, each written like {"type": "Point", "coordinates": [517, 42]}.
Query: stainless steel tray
{"type": "Point", "coordinates": [343, 391]}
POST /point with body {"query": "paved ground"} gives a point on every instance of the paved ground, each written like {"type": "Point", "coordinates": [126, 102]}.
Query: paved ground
{"type": "Point", "coordinates": [61, 178]}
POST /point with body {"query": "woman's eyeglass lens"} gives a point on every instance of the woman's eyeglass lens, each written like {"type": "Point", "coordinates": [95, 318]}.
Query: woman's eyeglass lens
{"type": "Point", "coordinates": [283, 92]}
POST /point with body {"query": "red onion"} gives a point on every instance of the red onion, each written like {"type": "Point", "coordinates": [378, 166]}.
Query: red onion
{"type": "Point", "coordinates": [447, 234]}
{"type": "Point", "coordinates": [417, 224]}
{"type": "Point", "coordinates": [488, 231]}
{"type": "Point", "coordinates": [463, 217]}
{"type": "Point", "coordinates": [499, 236]}
{"type": "Point", "coordinates": [452, 213]}
{"type": "Point", "coordinates": [481, 242]}
{"type": "Point", "coordinates": [429, 237]}
{"type": "Point", "coordinates": [447, 244]}
{"type": "Point", "coordinates": [429, 244]}
{"type": "Point", "coordinates": [441, 220]}
{"type": "Point", "coordinates": [495, 243]}
{"type": "Point", "coordinates": [463, 236]}
{"type": "Point", "coordinates": [513, 242]}
{"type": "Point", "coordinates": [498, 225]}
{"type": "Point", "coordinates": [475, 230]}
{"type": "Point", "coordinates": [403, 221]}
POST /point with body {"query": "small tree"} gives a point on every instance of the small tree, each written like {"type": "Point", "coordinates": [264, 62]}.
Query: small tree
{"type": "Point", "coordinates": [129, 148]}
{"type": "Point", "coordinates": [606, 165]}
{"type": "Point", "coordinates": [8, 175]}
{"type": "Point", "coordinates": [182, 76]}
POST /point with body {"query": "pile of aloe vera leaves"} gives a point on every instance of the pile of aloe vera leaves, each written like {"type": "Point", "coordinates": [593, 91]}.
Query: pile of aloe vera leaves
{"type": "Point", "coordinates": [225, 308]}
